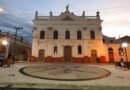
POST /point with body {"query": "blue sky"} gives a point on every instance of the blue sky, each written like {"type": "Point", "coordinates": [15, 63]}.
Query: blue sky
{"type": "Point", "coordinates": [115, 13]}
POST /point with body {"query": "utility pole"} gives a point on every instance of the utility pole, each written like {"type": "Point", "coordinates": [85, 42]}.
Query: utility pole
{"type": "Point", "coordinates": [17, 29]}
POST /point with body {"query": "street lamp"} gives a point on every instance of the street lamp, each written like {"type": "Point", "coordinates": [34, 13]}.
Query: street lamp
{"type": "Point", "coordinates": [5, 42]}
{"type": "Point", "coordinates": [17, 29]}
{"type": "Point", "coordinates": [125, 45]}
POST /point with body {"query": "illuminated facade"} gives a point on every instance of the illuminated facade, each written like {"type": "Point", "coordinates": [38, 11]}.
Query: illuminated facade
{"type": "Point", "coordinates": [70, 38]}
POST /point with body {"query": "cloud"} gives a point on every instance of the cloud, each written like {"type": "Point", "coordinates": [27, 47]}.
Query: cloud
{"type": "Point", "coordinates": [9, 21]}
{"type": "Point", "coordinates": [115, 25]}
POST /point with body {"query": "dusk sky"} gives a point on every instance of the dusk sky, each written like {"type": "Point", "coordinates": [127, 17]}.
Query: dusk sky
{"type": "Point", "coordinates": [114, 13]}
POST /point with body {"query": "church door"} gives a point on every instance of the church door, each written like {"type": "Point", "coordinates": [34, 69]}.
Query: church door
{"type": "Point", "coordinates": [41, 55]}
{"type": "Point", "coordinates": [93, 56]}
{"type": "Point", "coordinates": [67, 53]}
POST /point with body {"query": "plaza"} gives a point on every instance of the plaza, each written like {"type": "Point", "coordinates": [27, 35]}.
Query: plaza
{"type": "Point", "coordinates": [13, 78]}
{"type": "Point", "coordinates": [50, 44]}
{"type": "Point", "coordinates": [65, 72]}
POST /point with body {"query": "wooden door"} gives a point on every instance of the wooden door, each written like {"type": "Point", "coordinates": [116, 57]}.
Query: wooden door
{"type": "Point", "coordinates": [111, 57]}
{"type": "Point", "coordinates": [111, 54]}
{"type": "Point", "coordinates": [41, 55]}
{"type": "Point", "coordinates": [67, 53]}
{"type": "Point", "coordinates": [93, 56]}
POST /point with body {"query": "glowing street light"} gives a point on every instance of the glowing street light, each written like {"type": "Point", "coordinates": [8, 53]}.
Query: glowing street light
{"type": "Point", "coordinates": [125, 45]}
{"type": "Point", "coordinates": [1, 10]}
{"type": "Point", "coordinates": [4, 42]}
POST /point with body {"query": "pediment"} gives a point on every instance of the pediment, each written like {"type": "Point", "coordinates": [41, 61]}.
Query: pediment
{"type": "Point", "coordinates": [67, 18]}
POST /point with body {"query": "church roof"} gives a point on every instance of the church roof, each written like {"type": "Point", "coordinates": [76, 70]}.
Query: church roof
{"type": "Point", "coordinates": [110, 40]}
{"type": "Point", "coordinates": [124, 39]}
{"type": "Point", "coordinates": [66, 16]}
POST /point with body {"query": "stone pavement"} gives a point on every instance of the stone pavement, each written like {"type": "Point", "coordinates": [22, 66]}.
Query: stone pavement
{"type": "Point", "coordinates": [65, 72]}
{"type": "Point", "coordinates": [12, 78]}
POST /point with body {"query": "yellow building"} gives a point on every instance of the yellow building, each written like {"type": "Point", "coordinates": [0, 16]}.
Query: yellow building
{"type": "Point", "coordinates": [17, 46]}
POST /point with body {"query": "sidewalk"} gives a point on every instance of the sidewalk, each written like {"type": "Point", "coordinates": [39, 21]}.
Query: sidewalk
{"type": "Point", "coordinates": [12, 78]}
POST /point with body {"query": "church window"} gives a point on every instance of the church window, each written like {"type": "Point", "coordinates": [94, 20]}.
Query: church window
{"type": "Point", "coordinates": [42, 34]}
{"type": "Point", "coordinates": [67, 34]}
{"type": "Point", "coordinates": [79, 35]}
{"type": "Point", "coordinates": [92, 34]}
{"type": "Point", "coordinates": [55, 35]}
{"type": "Point", "coordinates": [79, 49]}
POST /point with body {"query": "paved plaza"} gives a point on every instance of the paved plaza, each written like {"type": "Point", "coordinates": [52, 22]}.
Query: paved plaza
{"type": "Point", "coordinates": [65, 76]}
{"type": "Point", "coordinates": [65, 72]}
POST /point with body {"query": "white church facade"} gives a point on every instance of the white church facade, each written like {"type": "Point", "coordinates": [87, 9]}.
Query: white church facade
{"type": "Point", "coordinates": [72, 38]}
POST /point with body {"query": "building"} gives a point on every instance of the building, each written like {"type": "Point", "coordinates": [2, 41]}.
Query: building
{"type": "Point", "coordinates": [115, 49]}
{"type": "Point", "coordinates": [71, 38]}
{"type": "Point", "coordinates": [17, 46]}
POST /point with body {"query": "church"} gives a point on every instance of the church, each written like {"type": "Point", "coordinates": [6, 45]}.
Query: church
{"type": "Point", "coordinates": [74, 39]}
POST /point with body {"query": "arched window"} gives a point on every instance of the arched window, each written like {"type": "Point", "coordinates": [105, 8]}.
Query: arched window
{"type": "Point", "coordinates": [67, 34]}
{"type": "Point", "coordinates": [79, 49]}
{"type": "Point", "coordinates": [110, 49]}
{"type": "Point", "coordinates": [55, 49]}
{"type": "Point", "coordinates": [121, 51]}
{"type": "Point", "coordinates": [55, 35]}
{"type": "Point", "coordinates": [79, 35]}
{"type": "Point", "coordinates": [42, 34]}
{"type": "Point", "coordinates": [92, 34]}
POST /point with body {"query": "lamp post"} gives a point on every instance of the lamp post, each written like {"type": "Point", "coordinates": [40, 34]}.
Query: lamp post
{"type": "Point", "coordinates": [125, 45]}
{"type": "Point", "coordinates": [17, 29]}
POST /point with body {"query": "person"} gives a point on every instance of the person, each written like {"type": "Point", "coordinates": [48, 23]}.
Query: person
{"type": "Point", "coordinates": [122, 63]}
